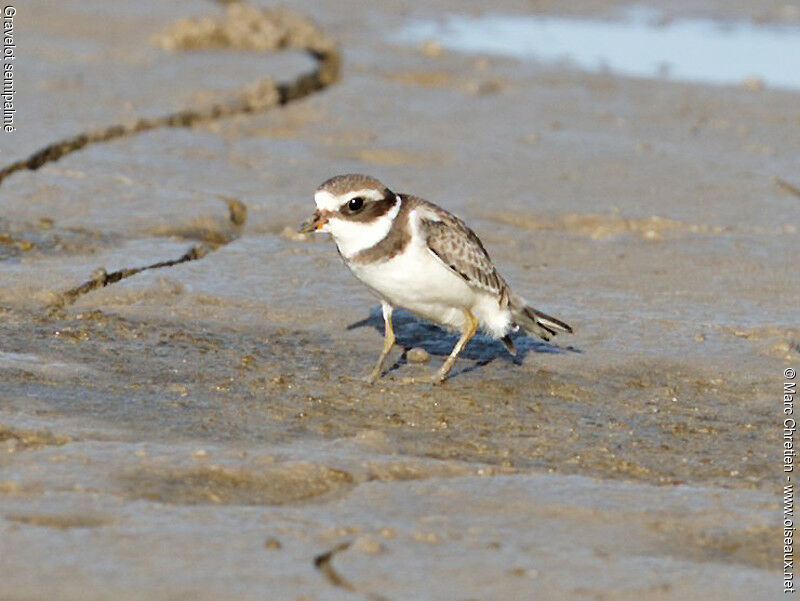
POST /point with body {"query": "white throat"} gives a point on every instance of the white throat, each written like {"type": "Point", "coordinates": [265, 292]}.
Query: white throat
{"type": "Point", "coordinates": [352, 237]}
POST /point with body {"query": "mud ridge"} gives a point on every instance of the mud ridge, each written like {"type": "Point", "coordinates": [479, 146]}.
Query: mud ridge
{"type": "Point", "coordinates": [286, 30]}
{"type": "Point", "coordinates": [653, 228]}
{"type": "Point", "coordinates": [17, 439]}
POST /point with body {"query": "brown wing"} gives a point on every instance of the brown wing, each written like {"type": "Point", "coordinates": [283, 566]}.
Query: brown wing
{"type": "Point", "coordinates": [458, 247]}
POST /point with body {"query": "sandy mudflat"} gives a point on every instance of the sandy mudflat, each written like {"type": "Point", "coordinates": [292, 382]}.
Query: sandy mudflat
{"type": "Point", "coordinates": [202, 431]}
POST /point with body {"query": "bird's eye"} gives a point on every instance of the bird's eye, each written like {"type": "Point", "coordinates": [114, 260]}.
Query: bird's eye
{"type": "Point", "coordinates": [355, 204]}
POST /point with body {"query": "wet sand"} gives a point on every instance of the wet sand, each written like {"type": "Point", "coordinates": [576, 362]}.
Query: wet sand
{"type": "Point", "coordinates": [202, 430]}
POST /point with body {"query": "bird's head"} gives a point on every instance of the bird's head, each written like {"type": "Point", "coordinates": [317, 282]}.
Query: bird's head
{"type": "Point", "coordinates": [358, 210]}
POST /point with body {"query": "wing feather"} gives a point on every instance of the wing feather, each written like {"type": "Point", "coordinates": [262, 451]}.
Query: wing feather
{"type": "Point", "coordinates": [451, 241]}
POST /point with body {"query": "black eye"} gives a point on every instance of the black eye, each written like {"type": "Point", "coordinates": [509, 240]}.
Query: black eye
{"type": "Point", "coordinates": [356, 204]}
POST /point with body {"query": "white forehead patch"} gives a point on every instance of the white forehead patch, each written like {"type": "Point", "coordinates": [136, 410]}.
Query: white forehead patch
{"type": "Point", "coordinates": [328, 202]}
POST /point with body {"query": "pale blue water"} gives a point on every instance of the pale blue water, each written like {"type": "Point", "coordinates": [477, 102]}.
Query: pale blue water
{"type": "Point", "coordinates": [699, 50]}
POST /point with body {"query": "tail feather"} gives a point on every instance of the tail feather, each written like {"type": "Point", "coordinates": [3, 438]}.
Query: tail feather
{"type": "Point", "coordinates": [536, 322]}
{"type": "Point", "coordinates": [551, 323]}
{"type": "Point", "coordinates": [509, 344]}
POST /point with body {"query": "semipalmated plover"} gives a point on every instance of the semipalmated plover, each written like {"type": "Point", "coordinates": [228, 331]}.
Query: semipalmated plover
{"type": "Point", "coordinates": [414, 254]}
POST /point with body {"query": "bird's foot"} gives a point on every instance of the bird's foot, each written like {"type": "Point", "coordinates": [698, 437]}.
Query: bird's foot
{"type": "Point", "coordinates": [373, 376]}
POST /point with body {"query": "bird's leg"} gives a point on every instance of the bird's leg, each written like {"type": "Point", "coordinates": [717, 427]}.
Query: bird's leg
{"type": "Point", "coordinates": [467, 332]}
{"type": "Point", "coordinates": [388, 341]}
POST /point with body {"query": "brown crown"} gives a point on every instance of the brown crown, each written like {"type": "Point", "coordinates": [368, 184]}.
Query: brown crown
{"type": "Point", "coordinates": [342, 184]}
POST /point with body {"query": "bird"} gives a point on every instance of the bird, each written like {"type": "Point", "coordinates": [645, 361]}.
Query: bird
{"type": "Point", "coordinates": [416, 255]}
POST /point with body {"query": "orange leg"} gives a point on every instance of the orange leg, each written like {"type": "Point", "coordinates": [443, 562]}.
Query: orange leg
{"type": "Point", "coordinates": [388, 342]}
{"type": "Point", "coordinates": [468, 331]}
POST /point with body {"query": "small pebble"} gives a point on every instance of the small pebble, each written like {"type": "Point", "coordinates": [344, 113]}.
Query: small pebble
{"type": "Point", "coordinates": [367, 544]}
{"type": "Point", "coordinates": [426, 537]}
{"type": "Point", "coordinates": [8, 487]}
{"type": "Point", "coordinates": [418, 355]}
{"type": "Point", "coordinates": [754, 84]}
{"type": "Point", "coordinates": [178, 389]}
{"type": "Point", "coordinates": [273, 544]}
{"type": "Point", "coordinates": [291, 233]}
{"type": "Point", "coordinates": [432, 49]}
{"type": "Point", "coordinates": [783, 350]}
{"type": "Point", "coordinates": [480, 88]}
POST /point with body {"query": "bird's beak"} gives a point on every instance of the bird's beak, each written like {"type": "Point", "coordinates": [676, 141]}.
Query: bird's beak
{"type": "Point", "coordinates": [314, 223]}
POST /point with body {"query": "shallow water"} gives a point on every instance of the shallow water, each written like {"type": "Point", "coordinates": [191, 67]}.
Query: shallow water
{"type": "Point", "coordinates": [642, 43]}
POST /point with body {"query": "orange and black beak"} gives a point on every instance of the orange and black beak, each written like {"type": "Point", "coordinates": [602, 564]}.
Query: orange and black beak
{"type": "Point", "coordinates": [316, 221]}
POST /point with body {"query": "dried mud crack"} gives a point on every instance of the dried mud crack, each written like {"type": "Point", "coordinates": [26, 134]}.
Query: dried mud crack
{"type": "Point", "coordinates": [101, 278]}
{"type": "Point", "coordinates": [212, 238]}
{"type": "Point", "coordinates": [323, 562]}
{"type": "Point", "coordinates": [788, 187]}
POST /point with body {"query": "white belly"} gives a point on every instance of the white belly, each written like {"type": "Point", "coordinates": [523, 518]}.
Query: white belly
{"type": "Point", "coordinates": [417, 281]}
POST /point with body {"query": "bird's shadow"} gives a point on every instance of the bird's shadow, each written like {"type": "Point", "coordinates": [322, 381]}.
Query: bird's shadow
{"type": "Point", "coordinates": [411, 331]}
